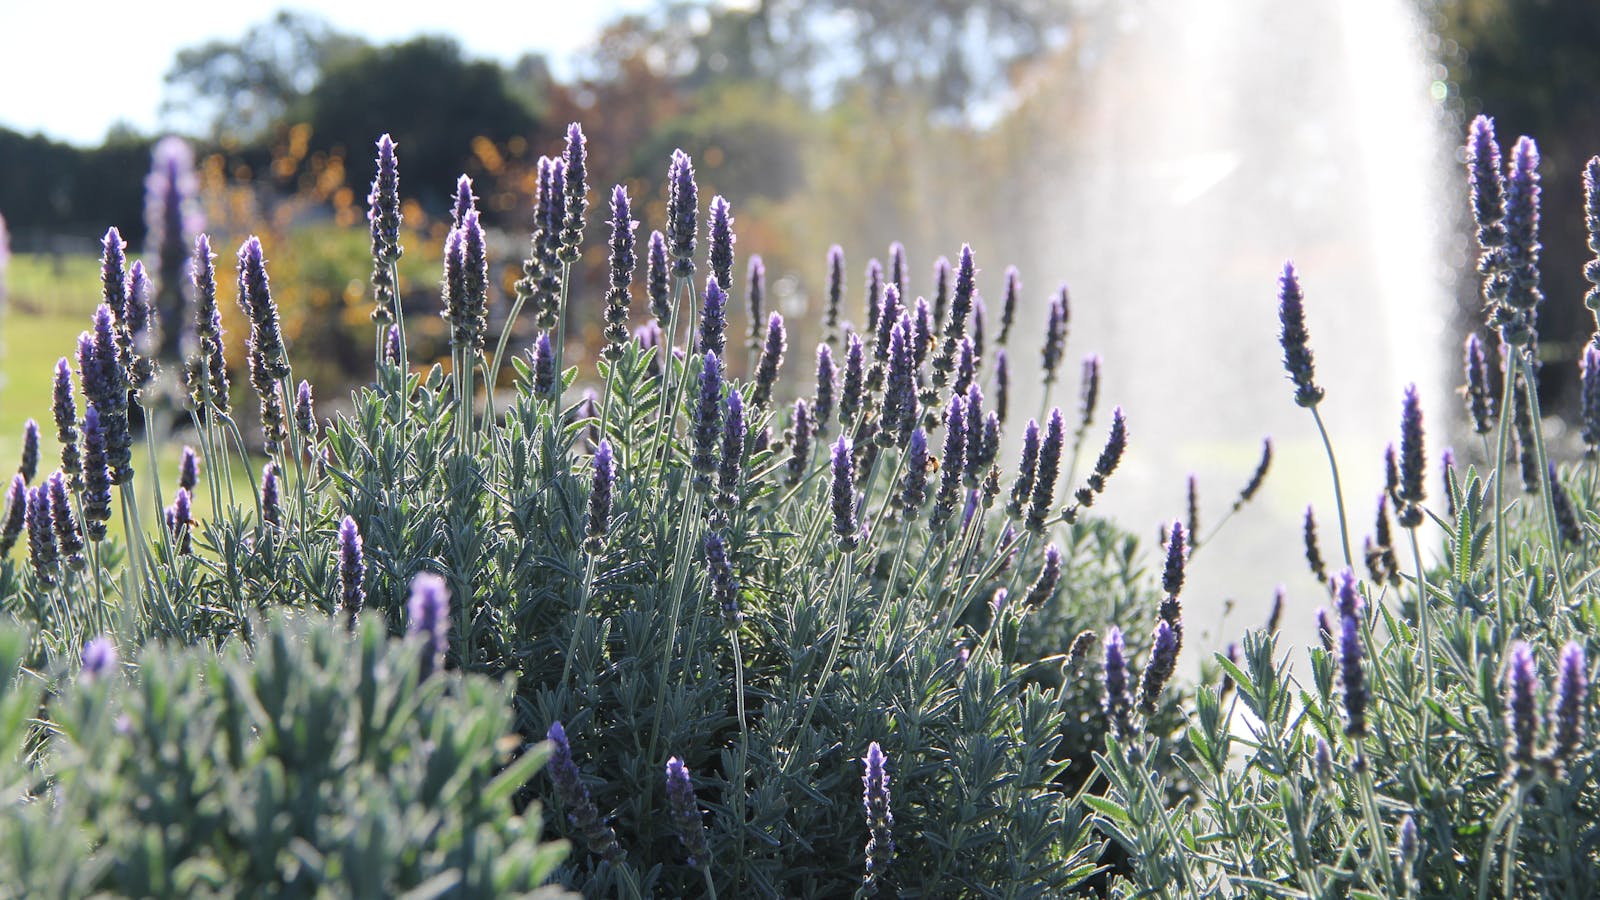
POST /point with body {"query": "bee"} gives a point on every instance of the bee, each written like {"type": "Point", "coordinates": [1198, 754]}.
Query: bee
{"type": "Point", "coordinates": [932, 466]}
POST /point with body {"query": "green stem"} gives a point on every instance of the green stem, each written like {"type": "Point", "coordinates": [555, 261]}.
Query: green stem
{"type": "Point", "coordinates": [846, 581]}
{"type": "Point", "coordinates": [1553, 528]}
{"type": "Point", "coordinates": [577, 622]}
{"type": "Point", "coordinates": [1510, 379]}
{"type": "Point", "coordinates": [1338, 490]}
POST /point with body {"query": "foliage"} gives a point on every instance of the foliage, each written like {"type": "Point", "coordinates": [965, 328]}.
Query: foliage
{"type": "Point", "coordinates": [313, 762]}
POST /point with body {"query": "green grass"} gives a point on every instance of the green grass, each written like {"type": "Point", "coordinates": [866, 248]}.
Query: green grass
{"type": "Point", "coordinates": [49, 302]}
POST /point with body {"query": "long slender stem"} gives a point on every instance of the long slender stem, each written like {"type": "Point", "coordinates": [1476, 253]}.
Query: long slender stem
{"type": "Point", "coordinates": [1510, 379]}
{"type": "Point", "coordinates": [577, 622]}
{"type": "Point", "coordinates": [1338, 490]}
{"type": "Point", "coordinates": [1553, 527]}
{"type": "Point", "coordinates": [846, 582]}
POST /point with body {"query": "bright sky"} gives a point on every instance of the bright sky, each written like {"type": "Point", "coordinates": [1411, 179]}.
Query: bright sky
{"type": "Point", "coordinates": [71, 68]}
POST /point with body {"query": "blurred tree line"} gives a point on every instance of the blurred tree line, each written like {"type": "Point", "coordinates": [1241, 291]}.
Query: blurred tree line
{"type": "Point", "coordinates": [794, 109]}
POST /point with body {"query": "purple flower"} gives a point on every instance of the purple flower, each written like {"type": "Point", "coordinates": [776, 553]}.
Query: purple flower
{"type": "Point", "coordinates": [69, 537]}
{"type": "Point", "coordinates": [955, 448]}
{"type": "Point", "coordinates": [1106, 464]}
{"type": "Point", "coordinates": [722, 241]}
{"type": "Point", "coordinates": [874, 295]}
{"type": "Point", "coordinates": [835, 290]}
{"type": "Point", "coordinates": [1522, 713]}
{"type": "Point", "coordinates": [897, 267]}
{"type": "Point", "coordinates": [980, 315]}
{"type": "Point", "coordinates": [620, 267]}
{"type": "Point", "coordinates": [547, 271]}
{"type": "Point", "coordinates": [771, 358]}
{"type": "Point", "coordinates": [99, 659]}
{"type": "Point", "coordinates": [1118, 703]}
{"type": "Point", "coordinates": [208, 368]}
{"type": "Point", "coordinates": [96, 479]}
{"type": "Point", "coordinates": [139, 319]}
{"type": "Point", "coordinates": [305, 416]}
{"type": "Point", "coordinates": [1177, 546]}
{"type": "Point", "coordinates": [1355, 681]}
{"type": "Point", "coordinates": [544, 365]}
{"type": "Point", "coordinates": [1257, 478]}
{"type": "Point", "coordinates": [683, 203]}
{"type": "Point", "coordinates": [888, 317]}
{"type": "Point", "coordinates": [801, 434]}
{"type": "Point", "coordinates": [1044, 483]}
{"type": "Point", "coordinates": [466, 201]}
{"type": "Point", "coordinates": [649, 337]}
{"type": "Point", "coordinates": [180, 516]}
{"type": "Point", "coordinates": [1008, 308]}
{"type": "Point", "coordinates": [656, 278]}
{"type": "Point", "coordinates": [914, 484]}
{"type": "Point", "coordinates": [685, 813]}
{"type": "Point", "coordinates": [880, 820]}
{"type": "Point", "coordinates": [428, 616]}
{"type": "Point", "coordinates": [714, 319]}
{"type": "Point", "coordinates": [1322, 765]}
{"type": "Point", "coordinates": [1348, 595]}
{"type": "Point", "coordinates": [1055, 333]}
{"type": "Point", "coordinates": [921, 330]}
{"type": "Point", "coordinates": [16, 514]}
{"type": "Point", "coordinates": [707, 420]}
{"type": "Point", "coordinates": [30, 451]}
{"type": "Point", "coordinates": [852, 395]}
{"type": "Point", "coordinates": [1027, 469]}
{"type": "Point", "coordinates": [1324, 629]}
{"type": "Point", "coordinates": [352, 569]}
{"type": "Point", "coordinates": [1481, 399]}
{"type": "Point", "coordinates": [1591, 209]}
{"type": "Point", "coordinates": [600, 498]}
{"type": "Point", "coordinates": [1591, 397]}
{"type": "Point", "coordinates": [1089, 392]}
{"type": "Point", "coordinates": [383, 219]}
{"type": "Point", "coordinates": [271, 497]}
{"type": "Point", "coordinates": [65, 411]}
{"type": "Point", "coordinates": [941, 291]}
{"type": "Point", "coordinates": [1313, 551]}
{"type": "Point", "coordinates": [1522, 232]}
{"type": "Point", "coordinates": [755, 296]}
{"type": "Point", "coordinates": [719, 575]}
{"type": "Point", "coordinates": [966, 365]}
{"type": "Point", "coordinates": [1412, 461]}
{"type": "Point", "coordinates": [114, 273]}
{"type": "Point", "coordinates": [974, 463]}
{"type": "Point", "coordinates": [1488, 187]}
{"type": "Point", "coordinates": [266, 330]}
{"type": "Point", "coordinates": [581, 811]}
{"type": "Point", "coordinates": [1002, 384]}
{"type": "Point", "coordinates": [42, 548]}
{"type": "Point", "coordinates": [827, 383]}
{"type": "Point", "coordinates": [1296, 340]}
{"type": "Point", "coordinates": [1158, 670]}
{"type": "Point", "coordinates": [1571, 702]}
{"type": "Point", "coordinates": [576, 193]}
{"type": "Point", "coordinates": [1044, 586]}
{"type": "Point", "coordinates": [730, 470]}
{"type": "Point", "coordinates": [188, 470]}
{"type": "Point", "coordinates": [899, 414]}
{"type": "Point", "coordinates": [843, 495]}
{"type": "Point", "coordinates": [1566, 515]}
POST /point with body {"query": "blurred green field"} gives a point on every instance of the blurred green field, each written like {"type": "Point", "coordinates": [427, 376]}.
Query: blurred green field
{"type": "Point", "coordinates": [49, 302]}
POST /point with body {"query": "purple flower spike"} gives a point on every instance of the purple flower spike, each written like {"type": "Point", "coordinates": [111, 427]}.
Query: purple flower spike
{"type": "Point", "coordinates": [271, 497]}
{"type": "Point", "coordinates": [544, 366]}
{"type": "Point", "coordinates": [180, 517]}
{"type": "Point", "coordinates": [1055, 333]}
{"type": "Point", "coordinates": [835, 289]}
{"type": "Point", "coordinates": [914, 484]}
{"type": "Point", "coordinates": [843, 495]}
{"type": "Point", "coordinates": [719, 573]}
{"type": "Point", "coordinates": [581, 812]}
{"type": "Point", "coordinates": [576, 194]}
{"type": "Point", "coordinates": [1522, 232]}
{"type": "Point", "coordinates": [1106, 464]}
{"type": "Point", "coordinates": [65, 411]}
{"type": "Point", "coordinates": [966, 365]}
{"type": "Point", "coordinates": [707, 421]}
{"type": "Point", "coordinates": [1177, 547]}
{"type": "Point", "coordinates": [980, 316]}
{"type": "Point", "coordinates": [600, 498]}
{"type": "Point", "coordinates": [99, 659]}
{"type": "Point", "coordinates": [1591, 398]}
{"type": "Point", "coordinates": [1044, 586]}
{"type": "Point", "coordinates": [771, 359]}
{"type": "Point", "coordinates": [1118, 703]}
{"type": "Point", "coordinates": [874, 295]}
{"type": "Point", "coordinates": [428, 611]}
{"type": "Point", "coordinates": [1158, 671]}
{"type": "Point", "coordinates": [656, 280]}
{"type": "Point", "coordinates": [140, 295]}
{"type": "Point", "coordinates": [941, 291]}
{"type": "Point", "coordinates": [42, 549]}
{"type": "Point", "coordinates": [1008, 308]}
{"type": "Point", "coordinates": [96, 478]}
{"type": "Point", "coordinates": [1571, 702]}
{"type": "Point", "coordinates": [16, 514]}
{"type": "Point", "coordinates": [1412, 461]}
{"type": "Point", "coordinates": [465, 202]}
{"type": "Point", "coordinates": [1296, 340]}
{"type": "Point", "coordinates": [1480, 394]}
{"type": "Point", "coordinates": [620, 266]}
{"type": "Point", "coordinates": [955, 450]}
{"type": "Point", "coordinates": [827, 384]}
{"type": "Point", "coordinates": [1350, 603]}
{"type": "Point", "coordinates": [854, 388]}
{"type": "Point", "coordinates": [714, 319]}
{"type": "Point", "coordinates": [888, 316]}
{"type": "Point", "coordinates": [755, 296]}
{"type": "Point", "coordinates": [899, 414]}
{"type": "Point", "coordinates": [974, 464]}
{"type": "Point", "coordinates": [730, 469]}
{"type": "Point", "coordinates": [383, 219]}
{"type": "Point", "coordinates": [30, 451]}
{"type": "Point", "coordinates": [1044, 485]}
{"type": "Point", "coordinates": [880, 819]}
{"type": "Point", "coordinates": [1487, 183]}
{"type": "Point", "coordinates": [1522, 713]}
{"type": "Point", "coordinates": [114, 273]}
{"type": "Point", "coordinates": [922, 330]}
{"type": "Point", "coordinates": [189, 470]}
{"type": "Point", "coordinates": [897, 267]}
{"type": "Point", "coordinates": [802, 433]}
{"type": "Point", "coordinates": [683, 204]}
{"type": "Point", "coordinates": [1002, 384]}
{"type": "Point", "coordinates": [69, 536]}
{"type": "Point", "coordinates": [352, 569]}
{"type": "Point", "coordinates": [722, 241]}
{"type": "Point", "coordinates": [685, 813]}
{"type": "Point", "coordinates": [1355, 680]}
{"type": "Point", "coordinates": [1027, 469]}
